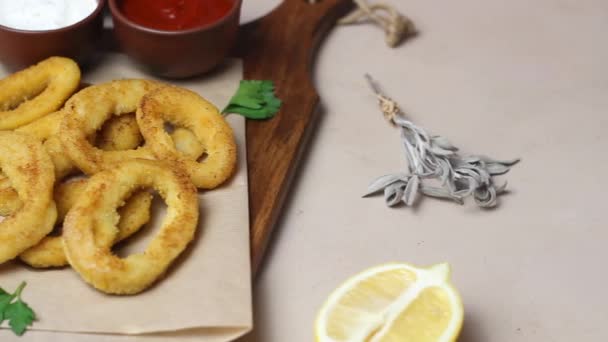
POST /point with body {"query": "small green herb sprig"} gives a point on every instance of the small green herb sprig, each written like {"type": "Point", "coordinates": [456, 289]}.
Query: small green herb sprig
{"type": "Point", "coordinates": [14, 310]}
{"type": "Point", "coordinates": [254, 100]}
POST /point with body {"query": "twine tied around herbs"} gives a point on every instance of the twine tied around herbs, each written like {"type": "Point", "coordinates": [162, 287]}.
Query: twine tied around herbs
{"type": "Point", "coordinates": [433, 159]}
{"type": "Point", "coordinates": [389, 108]}
{"type": "Point", "coordinates": [396, 26]}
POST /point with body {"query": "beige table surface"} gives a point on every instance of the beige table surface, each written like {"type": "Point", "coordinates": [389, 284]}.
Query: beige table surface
{"type": "Point", "coordinates": [504, 78]}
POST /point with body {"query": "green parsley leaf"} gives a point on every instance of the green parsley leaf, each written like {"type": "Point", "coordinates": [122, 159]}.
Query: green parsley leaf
{"type": "Point", "coordinates": [254, 100]}
{"type": "Point", "coordinates": [15, 310]}
{"type": "Point", "coordinates": [5, 300]}
{"type": "Point", "coordinates": [20, 316]}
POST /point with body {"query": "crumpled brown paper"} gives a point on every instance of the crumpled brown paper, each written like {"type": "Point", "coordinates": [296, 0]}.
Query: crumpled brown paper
{"type": "Point", "coordinates": [206, 295]}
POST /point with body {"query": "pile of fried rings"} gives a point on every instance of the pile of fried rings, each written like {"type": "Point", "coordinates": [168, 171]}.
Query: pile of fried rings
{"type": "Point", "coordinates": [115, 134]}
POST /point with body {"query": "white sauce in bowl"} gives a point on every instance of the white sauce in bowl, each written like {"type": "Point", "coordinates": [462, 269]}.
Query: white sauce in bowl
{"type": "Point", "coordinates": [40, 15]}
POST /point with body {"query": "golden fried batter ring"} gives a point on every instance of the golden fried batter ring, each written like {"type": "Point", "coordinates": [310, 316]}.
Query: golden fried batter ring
{"type": "Point", "coordinates": [28, 166]}
{"type": "Point", "coordinates": [186, 142]}
{"type": "Point", "coordinates": [119, 134]}
{"type": "Point", "coordinates": [90, 226]}
{"type": "Point", "coordinates": [44, 127]}
{"type": "Point", "coordinates": [9, 199]}
{"type": "Point", "coordinates": [88, 110]}
{"type": "Point", "coordinates": [116, 135]}
{"type": "Point", "coordinates": [41, 129]}
{"type": "Point", "coordinates": [49, 252]}
{"type": "Point", "coordinates": [45, 130]}
{"type": "Point", "coordinates": [187, 109]}
{"type": "Point", "coordinates": [37, 91]}
{"type": "Point", "coordinates": [62, 162]}
{"type": "Point", "coordinates": [122, 133]}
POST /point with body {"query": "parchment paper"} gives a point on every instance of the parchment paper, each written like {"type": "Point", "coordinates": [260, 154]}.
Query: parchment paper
{"type": "Point", "coordinates": [206, 296]}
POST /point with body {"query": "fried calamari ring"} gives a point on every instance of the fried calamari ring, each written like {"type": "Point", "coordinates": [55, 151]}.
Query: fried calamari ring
{"type": "Point", "coordinates": [37, 91]}
{"type": "Point", "coordinates": [186, 142]}
{"type": "Point", "coordinates": [116, 136]}
{"type": "Point", "coordinates": [122, 133]}
{"type": "Point", "coordinates": [125, 135]}
{"type": "Point", "coordinates": [62, 162]}
{"type": "Point", "coordinates": [49, 252]}
{"type": "Point", "coordinates": [9, 199]}
{"type": "Point", "coordinates": [63, 166]}
{"type": "Point", "coordinates": [41, 129]}
{"type": "Point", "coordinates": [28, 166]}
{"type": "Point", "coordinates": [87, 111]}
{"type": "Point", "coordinates": [66, 195]}
{"type": "Point", "coordinates": [44, 127]}
{"type": "Point", "coordinates": [95, 215]}
{"type": "Point", "coordinates": [119, 134]}
{"type": "Point", "coordinates": [185, 108]}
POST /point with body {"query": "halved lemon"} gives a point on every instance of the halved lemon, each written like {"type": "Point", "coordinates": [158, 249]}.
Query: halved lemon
{"type": "Point", "coordinates": [393, 303]}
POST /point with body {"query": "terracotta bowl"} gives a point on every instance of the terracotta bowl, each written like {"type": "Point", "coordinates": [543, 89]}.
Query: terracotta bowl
{"type": "Point", "coordinates": [20, 48]}
{"type": "Point", "coordinates": [176, 54]}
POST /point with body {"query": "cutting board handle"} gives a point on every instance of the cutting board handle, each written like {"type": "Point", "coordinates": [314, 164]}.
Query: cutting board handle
{"type": "Point", "coordinates": [281, 47]}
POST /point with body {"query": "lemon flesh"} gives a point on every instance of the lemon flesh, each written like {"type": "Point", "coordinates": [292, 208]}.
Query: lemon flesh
{"type": "Point", "coordinates": [390, 303]}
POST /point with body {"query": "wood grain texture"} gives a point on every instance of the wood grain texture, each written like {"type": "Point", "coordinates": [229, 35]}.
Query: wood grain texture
{"type": "Point", "coordinates": [281, 47]}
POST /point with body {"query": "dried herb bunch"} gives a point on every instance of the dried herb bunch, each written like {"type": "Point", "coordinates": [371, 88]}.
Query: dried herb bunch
{"type": "Point", "coordinates": [435, 167]}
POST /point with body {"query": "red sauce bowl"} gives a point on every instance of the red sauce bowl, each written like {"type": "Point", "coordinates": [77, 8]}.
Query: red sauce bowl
{"type": "Point", "coordinates": [80, 41]}
{"type": "Point", "coordinates": [179, 53]}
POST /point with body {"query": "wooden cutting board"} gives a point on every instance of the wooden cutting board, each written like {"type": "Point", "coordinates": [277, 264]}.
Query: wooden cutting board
{"type": "Point", "coordinates": [281, 47]}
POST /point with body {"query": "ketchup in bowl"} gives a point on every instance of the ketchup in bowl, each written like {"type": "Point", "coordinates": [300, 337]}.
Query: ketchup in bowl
{"type": "Point", "coordinates": [175, 15]}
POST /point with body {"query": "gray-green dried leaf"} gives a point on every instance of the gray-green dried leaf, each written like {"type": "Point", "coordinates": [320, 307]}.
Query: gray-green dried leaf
{"type": "Point", "coordinates": [486, 198]}
{"type": "Point", "coordinates": [470, 159]}
{"type": "Point", "coordinates": [393, 193]}
{"type": "Point", "coordinates": [411, 191]}
{"type": "Point", "coordinates": [382, 182]}
{"type": "Point", "coordinates": [440, 193]}
{"type": "Point", "coordinates": [443, 143]}
{"type": "Point", "coordinates": [438, 151]}
{"type": "Point", "coordinates": [496, 169]}
{"type": "Point", "coordinates": [489, 160]}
